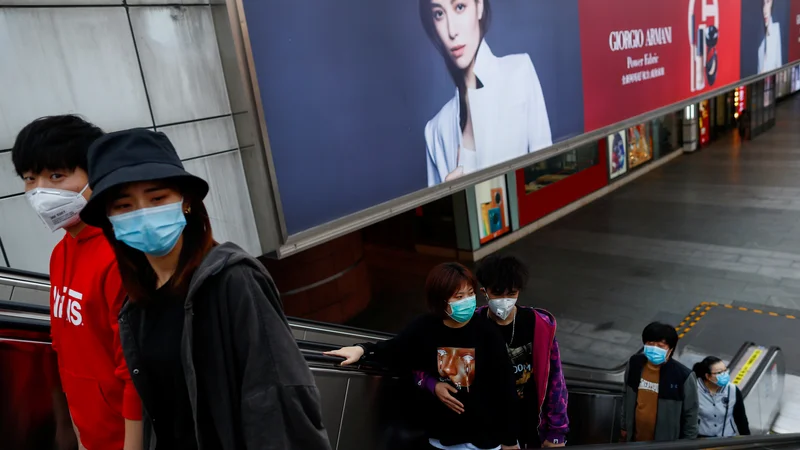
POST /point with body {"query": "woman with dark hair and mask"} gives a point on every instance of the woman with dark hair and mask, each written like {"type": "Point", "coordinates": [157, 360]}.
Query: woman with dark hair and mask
{"type": "Point", "coordinates": [203, 332]}
{"type": "Point", "coordinates": [498, 112]}
{"type": "Point", "coordinates": [722, 412]}
{"type": "Point", "coordinates": [459, 352]}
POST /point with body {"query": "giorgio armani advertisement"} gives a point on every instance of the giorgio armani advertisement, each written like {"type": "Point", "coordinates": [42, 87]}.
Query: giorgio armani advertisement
{"type": "Point", "coordinates": [641, 55]}
{"type": "Point", "coordinates": [765, 35]}
{"type": "Point", "coordinates": [366, 101]}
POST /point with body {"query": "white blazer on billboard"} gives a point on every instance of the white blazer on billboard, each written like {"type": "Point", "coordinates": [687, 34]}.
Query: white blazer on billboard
{"type": "Point", "coordinates": [508, 112]}
{"type": "Point", "coordinates": [769, 52]}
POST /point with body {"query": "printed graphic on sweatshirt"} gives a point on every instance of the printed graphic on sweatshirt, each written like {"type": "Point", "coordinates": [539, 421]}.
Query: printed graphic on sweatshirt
{"type": "Point", "coordinates": [522, 365]}
{"type": "Point", "coordinates": [457, 365]}
{"type": "Point", "coordinates": [67, 306]}
{"type": "Point", "coordinates": [645, 385]}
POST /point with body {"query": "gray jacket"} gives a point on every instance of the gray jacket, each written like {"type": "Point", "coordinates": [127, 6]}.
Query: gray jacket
{"type": "Point", "coordinates": [242, 367]}
{"type": "Point", "coordinates": [722, 414]}
{"type": "Point", "coordinates": [677, 400]}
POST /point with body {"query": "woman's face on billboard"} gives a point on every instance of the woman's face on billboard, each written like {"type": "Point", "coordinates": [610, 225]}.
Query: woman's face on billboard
{"type": "Point", "coordinates": [458, 24]}
{"type": "Point", "coordinates": [767, 11]}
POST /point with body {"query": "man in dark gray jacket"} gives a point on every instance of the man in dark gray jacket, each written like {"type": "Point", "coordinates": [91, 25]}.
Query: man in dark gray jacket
{"type": "Point", "coordinates": [660, 399]}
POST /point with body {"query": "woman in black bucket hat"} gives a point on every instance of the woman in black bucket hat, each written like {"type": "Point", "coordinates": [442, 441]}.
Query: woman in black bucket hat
{"type": "Point", "coordinates": [203, 331]}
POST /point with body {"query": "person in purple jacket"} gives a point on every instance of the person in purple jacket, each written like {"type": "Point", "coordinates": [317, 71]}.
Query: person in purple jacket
{"type": "Point", "coordinates": [529, 334]}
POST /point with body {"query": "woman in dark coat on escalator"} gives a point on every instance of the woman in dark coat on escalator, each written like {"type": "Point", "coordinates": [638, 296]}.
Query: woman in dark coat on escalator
{"type": "Point", "coordinates": [208, 347]}
{"type": "Point", "coordinates": [462, 354]}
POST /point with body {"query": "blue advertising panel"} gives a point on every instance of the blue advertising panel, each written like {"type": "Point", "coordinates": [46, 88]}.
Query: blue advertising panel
{"type": "Point", "coordinates": [765, 35]}
{"type": "Point", "coordinates": [366, 101]}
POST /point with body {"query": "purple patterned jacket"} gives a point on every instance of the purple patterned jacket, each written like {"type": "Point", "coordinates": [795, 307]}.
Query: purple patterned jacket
{"type": "Point", "coordinates": [551, 389]}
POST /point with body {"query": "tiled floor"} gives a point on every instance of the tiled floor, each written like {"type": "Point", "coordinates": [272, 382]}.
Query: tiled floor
{"type": "Point", "coordinates": [720, 225]}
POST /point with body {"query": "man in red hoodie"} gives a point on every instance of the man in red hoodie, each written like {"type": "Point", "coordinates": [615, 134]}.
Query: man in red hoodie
{"type": "Point", "coordinates": [86, 289]}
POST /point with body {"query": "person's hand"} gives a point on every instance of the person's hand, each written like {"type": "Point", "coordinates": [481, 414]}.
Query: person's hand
{"type": "Point", "coordinates": [350, 354]}
{"type": "Point", "coordinates": [506, 447]}
{"type": "Point", "coordinates": [442, 391]}
{"type": "Point", "coordinates": [623, 436]}
{"type": "Point", "coordinates": [548, 444]}
{"type": "Point", "coordinates": [457, 173]}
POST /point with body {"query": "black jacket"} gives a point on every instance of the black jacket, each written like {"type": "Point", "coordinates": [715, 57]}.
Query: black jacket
{"type": "Point", "coordinates": [243, 369]}
{"type": "Point", "coordinates": [677, 400]}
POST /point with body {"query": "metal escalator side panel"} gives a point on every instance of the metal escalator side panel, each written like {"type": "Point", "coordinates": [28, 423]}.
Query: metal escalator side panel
{"type": "Point", "coordinates": [738, 358]}
{"type": "Point", "coordinates": [764, 384]}
{"type": "Point", "coordinates": [747, 368]}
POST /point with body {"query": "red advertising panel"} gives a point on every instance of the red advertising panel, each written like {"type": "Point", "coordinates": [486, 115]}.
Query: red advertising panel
{"type": "Point", "coordinates": [794, 31]}
{"type": "Point", "coordinates": [642, 55]}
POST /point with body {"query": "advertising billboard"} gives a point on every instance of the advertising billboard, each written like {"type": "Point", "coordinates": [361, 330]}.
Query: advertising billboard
{"type": "Point", "coordinates": [644, 55]}
{"type": "Point", "coordinates": [365, 102]}
{"type": "Point", "coordinates": [492, 202]}
{"type": "Point", "coordinates": [765, 35]}
{"type": "Point", "coordinates": [703, 122]}
{"type": "Point", "coordinates": [794, 31]}
{"type": "Point", "coordinates": [640, 145]}
{"type": "Point", "coordinates": [617, 154]}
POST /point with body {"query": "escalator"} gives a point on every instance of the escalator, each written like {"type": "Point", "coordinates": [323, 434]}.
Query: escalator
{"type": "Point", "coordinates": [363, 408]}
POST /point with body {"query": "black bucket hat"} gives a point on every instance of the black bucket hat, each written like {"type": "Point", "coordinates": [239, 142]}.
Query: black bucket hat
{"type": "Point", "coordinates": [130, 156]}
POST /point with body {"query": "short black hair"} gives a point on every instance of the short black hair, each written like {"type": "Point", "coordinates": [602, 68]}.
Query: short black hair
{"type": "Point", "coordinates": [500, 274]}
{"type": "Point", "coordinates": [54, 143]}
{"type": "Point", "coordinates": [657, 332]}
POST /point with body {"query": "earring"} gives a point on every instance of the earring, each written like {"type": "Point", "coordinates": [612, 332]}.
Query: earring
{"type": "Point", "coordinates": [187, 210]}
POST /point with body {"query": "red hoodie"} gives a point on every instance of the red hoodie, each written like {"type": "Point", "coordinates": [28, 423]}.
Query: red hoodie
{"type": "Point", "coordinates": [86, 295]}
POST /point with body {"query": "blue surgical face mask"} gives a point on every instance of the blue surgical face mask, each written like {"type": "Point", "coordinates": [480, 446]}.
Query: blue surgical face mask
{"type": "Point", "coordinates": [462, 310]}
{"type": "Point", "coordinates": [655, 355]}
{"type": "Point", "coordinates": [723, 379]}
{"type": "Point", "coordinates": [154, 231]}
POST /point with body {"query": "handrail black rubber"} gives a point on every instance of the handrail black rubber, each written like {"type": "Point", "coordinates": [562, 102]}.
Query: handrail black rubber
{"type": "Point", "coordinates": [24, 307]}
{"type": "Point", "coordinates": [38, 275]}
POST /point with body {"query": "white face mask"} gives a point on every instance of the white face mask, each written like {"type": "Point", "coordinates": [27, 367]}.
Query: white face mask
{"type": "Point", "coordinates": [58, 208]}
{"type": "Point", "coordinates": [502, 307]}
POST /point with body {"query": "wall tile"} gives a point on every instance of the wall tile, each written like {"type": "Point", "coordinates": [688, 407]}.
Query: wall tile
{"type": "Point", "coordinates": [195, 139]}
{"type": "Point", "coordinates": [61, 60]}
{"type": "Point", "coordinates": [10, 183]}
{"type": "Point", "coordinates": [181, 63]}
{"type": "Point", "coordinates": [228, 201]}
{"type": "Point", "coordinates": [27, 241]}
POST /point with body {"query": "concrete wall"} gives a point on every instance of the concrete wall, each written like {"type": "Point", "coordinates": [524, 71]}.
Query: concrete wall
{"type": "Point", "coordinates": [137, 63]}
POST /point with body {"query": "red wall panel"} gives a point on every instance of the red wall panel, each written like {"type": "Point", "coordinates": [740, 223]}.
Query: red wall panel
{"type": "Point", "coordinates": [551, 198]}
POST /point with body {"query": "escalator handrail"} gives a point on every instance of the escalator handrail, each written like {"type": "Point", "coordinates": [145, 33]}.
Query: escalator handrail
{"type": "Point", "coordinates": [45, 279]}
{"type": "Point", "coordinates": [6, 305]}
{"type": "Point", "coordinates": [294, 322]}
{"type": "Point", "coordinates": [313, 352]}
{"type": "Point", "coordinates": [760, 441]}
